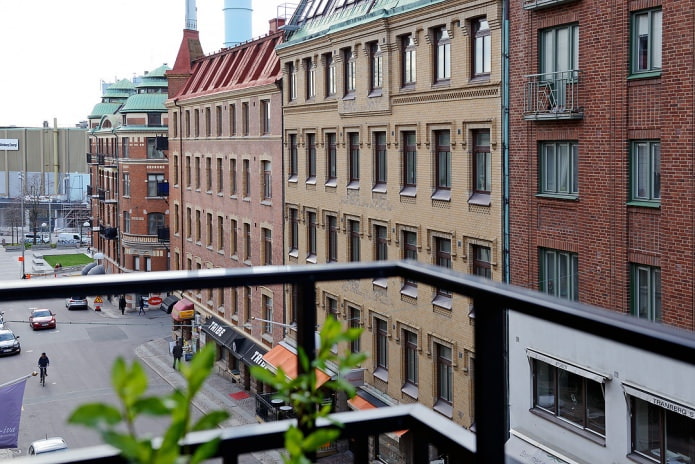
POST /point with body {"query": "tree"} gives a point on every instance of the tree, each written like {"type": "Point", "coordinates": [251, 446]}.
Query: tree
{"type": "Point", "coordinates": [33, 191]}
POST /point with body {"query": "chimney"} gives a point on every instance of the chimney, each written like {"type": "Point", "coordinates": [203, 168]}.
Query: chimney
{"type": "Point", "coordinates": [276, 24]}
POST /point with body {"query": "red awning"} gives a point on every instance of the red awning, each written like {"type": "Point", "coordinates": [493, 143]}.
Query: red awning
{"type": "Point", "coordinates": [182, 311]}
{"type": "Point", "coordinates": [281, 357]}
{"type": "Point", "coordinates": [359, 403]}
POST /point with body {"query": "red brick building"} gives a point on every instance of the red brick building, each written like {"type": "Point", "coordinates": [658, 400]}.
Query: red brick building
{"type": "Point", "coordinates": [225, 141]}
{"type": "Point", "coordinates": [601, 153]}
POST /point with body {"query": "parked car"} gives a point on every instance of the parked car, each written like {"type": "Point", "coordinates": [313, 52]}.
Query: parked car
{"type": "Point", "coordinates": [9, 342]}
{"type": "Point", "coordinates": [42, 319]}
{"type": "Point", "coordinates": [77, 302]}
{"type": "Point", "coordinates": [36, 238]}
{"type": "Point", "coordinates": [47, 445]}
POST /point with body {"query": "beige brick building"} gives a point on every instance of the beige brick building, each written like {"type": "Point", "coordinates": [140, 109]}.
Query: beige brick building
{"type": "Point", "coordinates": [392, 150]}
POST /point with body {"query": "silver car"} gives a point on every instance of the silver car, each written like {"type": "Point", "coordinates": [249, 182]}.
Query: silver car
{"type": "Point", "coordinates": [47, 445]}
{"type": "Point", "coordinates": [9, 342]}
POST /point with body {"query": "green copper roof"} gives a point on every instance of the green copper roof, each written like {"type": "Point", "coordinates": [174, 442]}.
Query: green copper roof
{"type": "Point", "coordinates": [123, 84]}
{"type": "Point", "coordinates": [100, 109]}
{"type": "Point", "coordinates": [145, 102]}
{"type": "Point", "coordinates": [154, 78]}
{"type": "Point", "coordinates": [315, 18]}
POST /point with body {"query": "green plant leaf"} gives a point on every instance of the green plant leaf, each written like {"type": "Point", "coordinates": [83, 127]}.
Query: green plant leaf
{"type": "Point", "coordinates": [293, 441]}
{"type": "Point", "coordinates": [210, 420]}
{"type": "Point", "coordinates": [152, 405]}
{"type": "Point", "coordinates": [95, 415]}
{"type": "Point", "coordinates": [205, 451]}
{"type": "Point", "coordinates": [320, 437]}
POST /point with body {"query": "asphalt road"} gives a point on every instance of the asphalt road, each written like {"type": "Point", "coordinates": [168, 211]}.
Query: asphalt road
{"type": "Point", "coordinates": [81, 349]}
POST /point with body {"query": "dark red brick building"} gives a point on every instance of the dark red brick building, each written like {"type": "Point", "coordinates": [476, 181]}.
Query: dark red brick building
{"type": "Point", "coordinates": [601, 153]}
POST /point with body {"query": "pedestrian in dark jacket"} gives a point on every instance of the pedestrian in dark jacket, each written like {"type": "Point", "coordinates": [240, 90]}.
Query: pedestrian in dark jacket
{"type": "Point", "coordinates": [121, 304]}
{"type": "Point", "coordinates": [177, 352]}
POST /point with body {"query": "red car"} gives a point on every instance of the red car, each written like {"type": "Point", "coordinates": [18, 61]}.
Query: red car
{"type": "Point", "coordinates": [42, 319]}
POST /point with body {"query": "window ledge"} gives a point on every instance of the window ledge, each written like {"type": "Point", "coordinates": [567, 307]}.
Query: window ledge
{"type": "Point", "coordinates": [247, 199]}
{"type": "Point", "coordinates": [409, 290]}
{"type": "Point", "coordinates": [381, 282]}
{"type": "Point", "coordinates": [235, 257]}
{"type": "Point", "coordinates": [558, 196]}
{"type": "Point", "coordinates": [374, 93]}
{"type": "Point", "coordinates": [644, 204]}
{"type": "Point", "coordinates": [349, 96]}
{"type": "Point", "coordinates": [409, 191]}
{"type": "Point", "coordinates": [294, 253]}
{"type": "Point", "coordinates": [480, 79]}
{"type": "Point", "coordinates": [311, 259]}
{"type": "Point", "coordinates": [311, 180]}
{"type": "Point", "coordinates": [379, 188]}
{"type": "Point", "coordinates": [220, 194]}
{"type": "Point", "coordinates": [442, 301]}
{"type": "Point", "coordinates": [442, 195]}
{"type": "Point", "coordinates": [247, 262]}
{"type": "Point", "coordinates": [292, 178]}
{"type": "Point", "coordinates": [354, 185]}
{"type": "Point", "coordinates": [233, 197]}
{"type": "Point", "coordinates": [567, 425]}
{"type": "Point", "coordinates": [267, 202]}
{"type": "Point", "coordinates": [381, 374]}
{"type": "Point", "coordinates": [410, 390]}
{"type": "Point", "coordinates": [331, 183]}
{"type": "Point", "coordinates": [644, 75]}
{"type": "Point", "coordinates": [444, 408]}
{"type": "Point", "coordinates": [480, 199]}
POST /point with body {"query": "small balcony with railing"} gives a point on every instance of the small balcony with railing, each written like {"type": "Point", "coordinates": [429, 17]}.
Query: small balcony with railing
{"type": "Point", "coordinates": [494, 303]}
{"type": "Point", "coordinates": [553, 96]}
{"type": "Point", "coordinates": [539, 4]}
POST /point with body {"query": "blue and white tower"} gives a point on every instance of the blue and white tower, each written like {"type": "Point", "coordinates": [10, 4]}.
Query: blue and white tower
{"type": "Point", "coordinates": [237, 22]}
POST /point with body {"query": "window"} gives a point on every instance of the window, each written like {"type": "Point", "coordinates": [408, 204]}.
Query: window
{"type": "Point", "coordinates": [233, 247]}
{"type": "Point", "coordinates": [410, 252]}
{"type": "Point", "coordinates": [176, 170]}
{"type": "Point", "coordinates": [208, 122]}
{"type": "Point", "coordinates": [198, 225]}
{"type": "Point", "coordinates": [155, 221]}
{"type": "Point", "coordinates": [245, 118]}
{"type": "Point", "coordinates": [380, 159]}
{"type": "Point", "coordinates": [482, 178]}
{"type": "Point", "coordinates": [661, 435]}
{"type": "Point", "coordinates": [267, 180]}
{"type": "Point", "coordinates": [267, 314]}
{"type": "Point", "coordinates": [246, 178]}
{"type": "Point", "coordinates": [220, 176]}
{"type": "Point", "coordinates": [294, 230]}
{"type": "Point", "coordinates": [310, 78]}
{"type": "Point", "coordinates": [177, 218]}
{"type": "Point", "coordinates": [645, 301]}
{"type": "Point", "coordinates": [354, 158]}
{"type": "Point", "coordinates": [331, 81]}
{"type": "Point", "coordinates": [247, 241]}
{"type": "Point", "coordinates": [196, 123]}
{"type": "Point", "coordinates": [409, 60]}
{"type": "Point", "coordinates": [559, 273]}
{"type": "Point", "coordinates": [442, 258]}
{"type": "Point", "coordinates": [354, 244]}
{"type": "Point", "coordinates": [332, 306]}
{"type": "Point", "coordinates": [232, 177]}
{"type": "Point", "coordinates": [481, 261]}
{"type": "Point", "coordinates": [188, 172]}
{"type": "Point", "coordinates": [247, 304]}
{"type": "Point", "coordinates": [136, 263]}
{"type": "Point", "coordinates": [380, 244]}
{"type": "Point", "coordinates": [148, 264]}
{"type": "Point", "coordinates": [208, 174]}
{"type": "Point", "coordinates": [311, 233]}
{"type": "Point", "coordinates": [126, 184]}
{"type": "Point", "coordinates": [444, 373]}
{"type": "Point", "coordinates": [409, 160]}
{"type": "Point", "coordinates": [187, 119]}
{"type": "Point", "coordinates": [559, 53]}
{"type": "Point", "coordinates": [559, 168]}
{"type": "Point", "coordinates": [376, 67]}
{"type": "Point", "coordinates": [152, 181]}
{"type": "Point", "coordinates": [208, 230]}
{"type": "Point", "coordinates": [332, 238]}
{"type": "Point", "coordinates": [482, 51]}
{"type": "Point", "coordinates": [350, 70]}
{"type": "Point", "coordinates": [220, 233]}
{"type": "Point", "coordinates": [232, 119]}
{"type": "Point", "coordinates": [442, 55]}
{"type": "Point", "coordinates": [189, 223]}
{"type": "Point", "coordinates": [293, 157]}
{"type": "Point", "coordinates": [152, 151]}
{"type": "Point", "coordinates": [382, 354]}
{"type": "Point", "coordinates": [267, 247]}
{"type": "Point", "coordinates": [331, 158]}
{"type": "Point", "coordinates": [646, 171]}
{"type": "Point", "coordinates": [154, 119]}
{"type": "Point", "coordinates": [646, 41]}
{"type": "Point", "coordinates": [442, 159]}
{"type": "Point", "coordinates": [265, 117]}
{"type": "Point", "coordinates": [292, 77]}
{"type": "Point", "coordinates": [410, 356]}
{"type": "Point", "coordinates": [197, 172]}
{"type": "Point", "coordinates": [569, 396]}
{"type": "Point", "coordinates": [355, 317]}
{"type": "Point", "coordinates": [126, 222]}
{"type": "Point", "coordinates": [218, 120]}
{"type": "Point", "coordinates": [311, 157]}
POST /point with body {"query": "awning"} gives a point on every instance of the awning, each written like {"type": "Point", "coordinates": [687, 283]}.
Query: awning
{"type": "Point", "coordinates": [363, 400]}
{"type": "Point", "coordinates": [282, 357]}
{"type": "Point", "coordinates": [520, 451]}
{"type": "Point", "coordinates": [251, 353]}
{"type": "Point", "coordinates": [222, 333]}
{"type": "Point", "coordinates": [168, 303]}
{"type": "Point", "coordinates": [183, 311]}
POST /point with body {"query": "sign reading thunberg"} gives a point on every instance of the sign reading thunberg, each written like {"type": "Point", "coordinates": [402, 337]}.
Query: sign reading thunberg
{"type": "Point", "coordinates": [9, 144]}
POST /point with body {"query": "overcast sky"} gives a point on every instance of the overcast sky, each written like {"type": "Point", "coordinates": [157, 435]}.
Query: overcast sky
{"type": "Point", "coordinates": [55, 53]}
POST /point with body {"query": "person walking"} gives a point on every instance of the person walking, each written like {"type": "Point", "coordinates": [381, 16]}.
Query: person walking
{"type": "Point", "coordinates": [177, 352]}
{"type": "Point", "coordinates": [121, 304]}
{"type": "Point", "coordinates": [142, 306]}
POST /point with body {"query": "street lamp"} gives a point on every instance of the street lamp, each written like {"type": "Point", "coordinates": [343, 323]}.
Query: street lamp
{"type": "Point", "coordinates": [43, 231]}
{"type": "Point", "coordinates": [84, 224]}
{"type": "Point", "coordinates": [21, 208]}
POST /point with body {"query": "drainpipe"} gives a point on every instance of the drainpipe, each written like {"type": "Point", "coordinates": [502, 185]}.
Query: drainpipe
{"type": "Point", "coordinates": [505, 142]}
{"type": "Point", "coordinates": [183, 242]}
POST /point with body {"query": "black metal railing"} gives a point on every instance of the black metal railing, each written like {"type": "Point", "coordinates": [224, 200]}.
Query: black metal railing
{"type": "Point", "coordinates": [553, 95]}
{"type": "Point", "coordinates": [492, 301]}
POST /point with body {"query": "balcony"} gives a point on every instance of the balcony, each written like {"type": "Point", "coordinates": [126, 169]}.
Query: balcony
{"type": "Point", "coordinates": [493, 301]}
{"type": "Point", "coordinates": [553, 96]}
{"type": "Point", "coordinates": [538, 4]}
{"type": "Point", "coordinates": [151, 241]}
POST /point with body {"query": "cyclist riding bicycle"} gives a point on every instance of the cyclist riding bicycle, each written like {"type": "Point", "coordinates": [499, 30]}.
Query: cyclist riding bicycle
{"type": "Point", "coordinates": [43, 363]}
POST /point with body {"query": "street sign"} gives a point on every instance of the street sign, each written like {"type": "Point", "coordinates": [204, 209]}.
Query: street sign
{"type": "Point", "coordinates": [154, 300]}
{"type": "Point", "coordinates": [98, 300]}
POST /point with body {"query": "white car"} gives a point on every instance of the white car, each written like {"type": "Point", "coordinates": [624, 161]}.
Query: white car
{"type": "Point", "coordinates": [47, 445]}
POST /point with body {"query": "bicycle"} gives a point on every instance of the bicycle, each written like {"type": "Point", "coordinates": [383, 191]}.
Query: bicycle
{"type": "Point", "coordinates": [42, 379]}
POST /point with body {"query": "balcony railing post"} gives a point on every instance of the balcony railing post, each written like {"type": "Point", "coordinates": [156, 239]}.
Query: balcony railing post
{"type": "Point", "coordinates": [306, 328]}
{"type": "Point", "coordinates": [491, 380]}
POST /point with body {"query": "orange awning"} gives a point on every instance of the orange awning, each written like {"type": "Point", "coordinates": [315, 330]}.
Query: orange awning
{"type": "Point", "coordinates": [281, 357]}
{"type": "Point", "coordinates": [359, 403]}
